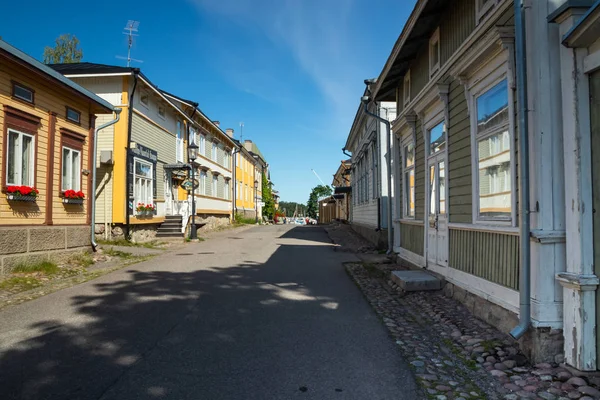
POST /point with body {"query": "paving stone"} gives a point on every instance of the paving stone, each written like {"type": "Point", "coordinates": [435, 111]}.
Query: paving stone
{"type": "Point", "coordinates": [546, 396]}
{"type": "Point", "coordinates": [509, 363]}
{"type": "Point", "coordinates": [418, 363]}
{"type": "Point", "coordinates": [511, 397]}
{"type": "Point", "coordinates": [547, 378]}
{"type": "Point", "coordinates": [590, 391]}
{"type": "Point", "coordinates": [574, 395]}
{"type": "Point", "coordinates": [512, 387]}
{"type": "Point", "coordinates": [563, 376]}
{"type": "Point", "coordinates": [496, 372]}
{"type": "Point", "coordinates": [500, 366]}
{"type": "Point", "coordinates": [576, 381]}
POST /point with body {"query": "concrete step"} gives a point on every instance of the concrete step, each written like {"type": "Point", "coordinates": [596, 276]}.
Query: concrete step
{"type": "Point", "coordinates": [415, 280]}
{"type": "Point", "coordinates": [169, 229]}
{"type": "Point", "coordinates": [170, 225]}
{"type": "Point", "coordinates": [173, 217]}
{"type": "Point", "coordinates": [169, 234]}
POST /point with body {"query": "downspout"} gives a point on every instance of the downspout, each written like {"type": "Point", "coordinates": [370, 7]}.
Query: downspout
{"type": "Point", "coordinates": [234, 177]}
{"type": "Point", "coordinates": [136, 71]}
{"type": "Point", "coordinates": [525, 275]}
{"type": "Point", "coordinates": [93, 193]}
{"type": "Point", "coordinates": [346, 152]}
{"type": "Point", "coordinates": [389, 169]}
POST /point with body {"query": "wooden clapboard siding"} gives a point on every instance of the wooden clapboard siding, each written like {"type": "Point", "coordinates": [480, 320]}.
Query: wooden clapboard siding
{"type": "Point", "coordinates": [104, 181]}
{"type": "Point", "coordinates": [419, 72]}
{"type": "Point", "coordinates": [492, 256]}
{"type": "Point", "coordinates": [459, 156]}
{"type": "Point", "coordinates": [164, 143]}
{"type": "Point", "coordinates": [411, 238]}
{"type": "Point", "coordinates": [456, 26]}
{"type": "Point", "coordinates": [419, 172]}
{"type": "Point", "coordinates": [49, 97]}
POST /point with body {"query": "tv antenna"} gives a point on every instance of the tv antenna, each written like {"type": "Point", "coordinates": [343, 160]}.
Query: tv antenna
{"type": "Point", "coordinates": [131, 27]}
{"type": "Point", "coordinates": [242, 132]}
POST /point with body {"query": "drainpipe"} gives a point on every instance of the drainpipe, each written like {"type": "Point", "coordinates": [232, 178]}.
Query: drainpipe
{"type": "Point", "coordinates": [346, 152]}
{"type": "Point", "coordinates": [93, 193]}
{"type": "Point", "coordinates": [365, 100]}
{"type": "Point", "coordinates": [136, 71]}
{"type": "Point", "coordinates": [525, 281]}
{"type": "Point", "coordinates": [234, 178]}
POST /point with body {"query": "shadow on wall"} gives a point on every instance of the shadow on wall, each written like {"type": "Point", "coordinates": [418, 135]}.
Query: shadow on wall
{"type": "Point", "coordinates": [187, 333]}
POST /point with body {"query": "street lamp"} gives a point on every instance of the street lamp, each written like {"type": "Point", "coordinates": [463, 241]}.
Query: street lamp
{"type": "Point", "coordinates": [192, 155]}
{"type": "Point", "coordinates": [256, 201]}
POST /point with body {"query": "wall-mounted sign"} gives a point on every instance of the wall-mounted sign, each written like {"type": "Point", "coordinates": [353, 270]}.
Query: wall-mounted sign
{"type": "Point", "coordinates": [187, 184]}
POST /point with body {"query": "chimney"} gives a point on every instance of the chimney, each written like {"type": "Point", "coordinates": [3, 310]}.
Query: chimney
{"type": "Point", "coordinates": [229, 132]}
{"type": "Point", "coordinates": [217, 123]}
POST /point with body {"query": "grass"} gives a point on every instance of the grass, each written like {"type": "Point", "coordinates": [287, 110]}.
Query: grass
{"type": "Point", "coordinates": [241, 220]}
{"type": "Point", "coordinates": [19, 284]}
{"type": "Point", "coordinates": [82, 259]}
{"type": "Point", "coordinates": [126, 243]}
{"type": "Point", "coordinates": [46, 267]}
{"type": "Point", "coordinates": [117, 253]}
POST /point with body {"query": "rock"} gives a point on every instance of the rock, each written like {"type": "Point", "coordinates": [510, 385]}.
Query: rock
{"type": "Point", "coordinates": [500, 366]}
{"type": "Point", "coordinates": [474, 341]}
{"type": "Point", "coordinates": [479, 350]}
{"type": "Point", "coordinates": [574, 394]}
{"type": "Point", "coordinates": [497, 373]}
{"type": "Point", "coordinates": [540, 372]}
{"type": "Point", "coordinates": [530, 388]}
{"type": "Point", "coordinates": [559, 358]}
{"type": "Point", "coordinates": [453, 383]}
{"type": "Point", "coordinates": [480, 360]}
{"type": "Point", "coordinates": [527, 395]}
{"type": "Point", "coordinates": [511, 397]}
{"type": "Point", "coordinates": [455, 334]}
{"type": "Point", "coordinates": [586, 398]}
{"type": "Point", "coordinates": [546, 396]}
{"type": "Point", "coordinates": [512, 387]}
{"type": "Point", "coordinates": [567, 387]}
{"type": "Point", "coordinates": [521, 383]}
{"type": "Point", "coordinates": [590, 391]}
{"type": "Point", "coordinates": [576, 381]}
{"type": "Point", "coordinates": [543, 366]}
{"type": "Point", "coordinates": [443, 388]}
{"type": "Point", "coordinates": [509, 363]}
{"type": "Point", "coordinates": [427, 377]}
{"type": "Point", "coordinates": [520, 369]}
{"type": "Point", "coordinates": [520, 359]}
{"type": "Point", "coordinates": [491, 359]}
{"type": "Point", "coordinates": [546, 378]}
{"type": "Point", "coordinates": [563, 376]}
{"type": "Point", "coordinates": [441, 397]}
{"type": "Point", "coordinates": [500, 353]}
{"type": "Point", "coordinates": [418, 363]}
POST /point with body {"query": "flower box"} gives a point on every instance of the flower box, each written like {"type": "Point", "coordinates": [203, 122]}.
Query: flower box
{"type": "Point", "coordinates": [66, 200]}
{"type": "Point", "coordinates": [16, 197]}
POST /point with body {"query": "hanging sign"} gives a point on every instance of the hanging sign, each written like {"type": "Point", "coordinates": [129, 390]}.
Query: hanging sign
{"type": "Point", "coordinates": [187, 184]}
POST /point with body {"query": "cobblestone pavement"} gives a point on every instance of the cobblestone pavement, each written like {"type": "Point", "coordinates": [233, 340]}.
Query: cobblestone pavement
{"type": "Point", "coordinates": [456, 356]}
{"type": "Point", "coordinates": [347, 240]}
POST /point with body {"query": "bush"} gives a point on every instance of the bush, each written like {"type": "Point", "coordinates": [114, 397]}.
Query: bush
{"type": "Point", "coordinates": [241, 220]}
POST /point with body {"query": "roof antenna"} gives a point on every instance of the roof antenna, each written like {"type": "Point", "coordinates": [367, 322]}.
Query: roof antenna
{"type": "Point", "coordinates": [132, 26]}
{"type": "Point", "coordinates": [241, 132]}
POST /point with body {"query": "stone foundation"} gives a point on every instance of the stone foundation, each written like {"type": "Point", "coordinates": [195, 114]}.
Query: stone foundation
{"type": "Point", "coordinates": [28, 244]}
{"type": "Point", "coordinates": [211, 222]}
{"type": "Point", "coordinates": [540, 345]}
{"type": "Point", "coordinates": [139, 233]}
{"type": "Point", "coordinates": [378, 238]}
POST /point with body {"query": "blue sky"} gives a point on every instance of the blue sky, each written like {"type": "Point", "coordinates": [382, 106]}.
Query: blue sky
{"type": "Point", "coordinates": [291, 70]}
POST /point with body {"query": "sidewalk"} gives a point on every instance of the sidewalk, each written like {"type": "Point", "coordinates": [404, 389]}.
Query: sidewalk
{"type": "Point", "coordinates": [453, 354]}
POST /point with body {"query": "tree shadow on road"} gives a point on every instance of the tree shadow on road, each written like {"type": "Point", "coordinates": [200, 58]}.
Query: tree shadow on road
{"type": "Point", "coordinates": [249, 331]}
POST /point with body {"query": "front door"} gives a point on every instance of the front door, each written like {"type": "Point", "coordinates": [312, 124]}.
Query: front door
{"type": "Point", "coordinates": [437, 228]}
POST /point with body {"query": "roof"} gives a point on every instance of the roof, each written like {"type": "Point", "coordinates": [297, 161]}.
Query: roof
{"type": "Point", "coordinates": [417, 31]}
{"type": "Point", "coordinates": [52, 74]}
{"type": "Point", "coordinates": [587, 29]}
{"type": "Point", "coordinates": [255, 150]}
{"type": "Point", "coordinates": [91, 68]}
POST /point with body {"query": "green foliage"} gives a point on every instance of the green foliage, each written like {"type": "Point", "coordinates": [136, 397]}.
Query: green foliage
{"type": "Point", "coordinates": [66, 50]}
{"type": "Point", "coordinates": [82, 259]}
{"type": "Point", "coordinates": [313, 199]}
{"type": "Point", "coordinates": [46, 267]}
{"type": "Point", "coordinates": [117, 253]}
{"type": "Point", "coordinates": [241, 220]}
{"type": "Point", "coordinates": [126, 243]}
{"type": "Point", "coordinates": [267, 196]}
{"type": "Point", "coordinates": [19, 284]}
{"type": "Point", "coordinates": [288, 207]}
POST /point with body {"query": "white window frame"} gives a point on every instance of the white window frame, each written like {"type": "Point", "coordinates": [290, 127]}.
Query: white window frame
{"type": "Point", "coordinates": [214, 151]}
{"type": "Point", "coordinates": [486, 78]}
{"type": "Point", "coordinates": [202, 145]}
{"type": "Point", "coordinates": [408, 140]}
{"type": "Point", "coordinates": [69, 177]}
{"type": "Point", "coordinates": [375, 170]}
{"type": "Point", "coordinates": [202, 182]}
{"type": "Point", "coordinates": [227, 188]}
{"type": "Point", "coordinates": [406, 89]}
{"type": "Point", "coordinates": [482, 9]}
{"type": "Point", "coordinates": [19, 159]}
{"type": "Point", "coordinates": [435, 39]}
{"type": "Point", "coordinates": [215, 185]}
{"type": "Point", "coordinates": [147, 95]}
{"type": "Point", "coordinates": [151, 179]}
{"type": "Point", "coordinates": [179, 150]}
{"type": "Point", "coordinates": [164, 113]}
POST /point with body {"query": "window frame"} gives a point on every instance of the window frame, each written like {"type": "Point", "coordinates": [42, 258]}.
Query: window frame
{"type": "Point", "coordinates": [202, 184]}
{"type": "Point", "coordinates": [78, 113]}
{"type": "Point", "coordinates": [164, 114]}
{"type": "Point", "coordinates": [404, 145]}
{"type": "Point", "coordinates": [435, 39]}
{"type": "Point", "coordinates": [151, 179]}
{"type": "Point", "coordinates": [15, 96]}
{"type": "Point", "coordinates": [406, 89]}
{"type": "Point", "coordinates": [62, 164]}
{"type": "Point", "coordinates": [32, 160]}
{"type": "Point", "coordinates": [214, 151]}
{"type": "Point", "coordinates": [227, 188]}
{"type": "Point", "coordinates": [487, 78]}
{"type": "Point", "coordinates": [147, 95]}
{"type": "Point", "coordinates": [215, 185]}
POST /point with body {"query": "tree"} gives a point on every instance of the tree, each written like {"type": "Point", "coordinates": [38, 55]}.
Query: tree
{"type": "Point", "coordinates": [66, 50]}
{"type": "Point", "coordinates": [313, 200]}
{"type": "Point", "coordinates": [290, 206]}
{"type": "Point", "coordinates": [267, 196]}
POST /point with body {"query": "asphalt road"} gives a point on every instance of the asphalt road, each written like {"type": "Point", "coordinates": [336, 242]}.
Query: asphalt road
{"type": "Point", "coordinates": [264, 313]}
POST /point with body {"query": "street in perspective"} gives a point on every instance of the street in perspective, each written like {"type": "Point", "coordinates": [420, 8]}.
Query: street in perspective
{"type": "Point", "coordinates": [263, 199]}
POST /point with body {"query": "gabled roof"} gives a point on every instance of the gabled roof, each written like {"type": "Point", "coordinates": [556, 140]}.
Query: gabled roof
{"type": "Point", "coordinates": [83, 68]}
{"type": "Point", "coordinates": [48, 72]}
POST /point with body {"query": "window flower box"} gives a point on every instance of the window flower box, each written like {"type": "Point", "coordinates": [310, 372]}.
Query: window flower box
{"type": "Point", "coordinates": [145, 210]}
{"type": "Point", "coordinates": [67, 200]}
{"type": "Point", "coordinates": [22, 193]}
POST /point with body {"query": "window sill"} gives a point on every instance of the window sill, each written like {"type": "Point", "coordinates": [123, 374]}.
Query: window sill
{"type": "Point", "coordinates": [485, 227]}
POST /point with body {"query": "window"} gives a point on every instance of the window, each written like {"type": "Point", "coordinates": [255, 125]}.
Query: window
{"type": "Point", "coordinates": [162, 111]}
{"type": "Point", "coordinates": [482, 7]}
{"type": "Point", "coordinates": [215, 185]}
{"type": "Point", "coordinates": [214, 151]}
{"type": "Point", "coordinates": [202, 145]}
{"type": "Point", "coordinates": [226, 159]}
{"type": "Point", "coordinates": [71, 169]}
{"type": "Point", "coordinates": [23, 92]}
{"type": "Point", "coordinates": [408, 173]}
{"type": "Point", "coordinates": [202, 182]}
{"type": "Point", "coordinates": [374, 169]}
{"type": "Point", "coordinates": [493, 156]}
{"type": "Point", "coordinates": [20, 159]}
{"type": "Point", "coordinates": [406, 88]}
{"type": "Point", "coordinates": [145, 99]}
{"type": "Point", "coordinates": [179, 143]}
{"type": "Point", "coordinates": [437, 138]}
{"type": "Point", "coordinates": [73, 115]}
{"type": "Point", "coordinates": [434, 52]}
{"type": "Point", "coordinates": [227, 189]}
{"type": "Point", "coordinates": [143, 183]}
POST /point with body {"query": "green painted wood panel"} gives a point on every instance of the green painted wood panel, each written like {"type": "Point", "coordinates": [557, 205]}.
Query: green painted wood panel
{"type": "Point", "coordinates": [595, 125]}
{"type": "Point", "coordinates": [458, 23]}
{"type": "Point", "coordinates": [492, 256]}
{"type": "Point", "coordinates": [419, 72]}
{"type": "Point", "coordinates": [411, 238]}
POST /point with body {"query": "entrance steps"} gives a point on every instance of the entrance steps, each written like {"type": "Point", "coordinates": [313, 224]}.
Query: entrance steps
{"type": "Point", "coordinates": [171, 228]}
{"type": "Point", "coordinates": [415, 280]}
